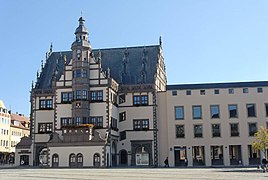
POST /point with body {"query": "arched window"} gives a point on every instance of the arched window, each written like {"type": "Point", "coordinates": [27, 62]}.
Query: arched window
{"type": "Point", "coordinates": [79, 160]}
{"type": "Point", "coordinates": [43, 156]}
{"type": "Point", "coordinates": [55, 160]}
{"type": "Point", "coordinates": [72, 160]}
{"type": "Point", "coordinates": [96, 160]}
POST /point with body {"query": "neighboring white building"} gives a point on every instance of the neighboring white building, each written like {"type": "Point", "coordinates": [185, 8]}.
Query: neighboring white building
{"type": "Point", "coordinates": [12, 128]}
{"type": "Point", "coordinates": [4, 133]}
{"type": "Point", "coordinates": [113, 107]}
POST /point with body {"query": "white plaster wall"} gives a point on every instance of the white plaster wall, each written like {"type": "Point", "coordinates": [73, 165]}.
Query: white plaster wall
{"type": "Point", "coordinates": [64, 152]}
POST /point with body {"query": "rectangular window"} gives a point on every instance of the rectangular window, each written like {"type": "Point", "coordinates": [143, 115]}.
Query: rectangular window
{"type": "Point", "coordinates": [259, 90]}
{"type": "Point", "coordinates": [202, 92]}
{"type": "Point", "coordinates": [215, 111]}
{"type": "Point", "coordinates": [78, 73]}
{"type": "Point", "coordinates": [114, 124]}
{"type": "Point", "coordinates": [66, 122]}
{"type": "Point", "coordinates": [144, 100]}
{"type": "Point", "coordinates": [234, 129]}
{"type": "Point", "coordinates": [216, 91]}
{"type": "Point", "coordinates": [77, 121]}
{"type": "Point", "coordinates": [97, 121]}
{"type": "Point", "coordinates": [42, 104]}
{"type": "Point", "coordinates": [122, 135]}
{"type": "Point", "coordinates": [174, 93]}
{"type": "Point", "coordinates": [233, 113]}
{"type": "Point", "coordinates": [252, 128]}
{"type": "Point", "coordinates": [251, 110]}
{"type": "Point", "coordinates": [84, 73]}
{"type": "Point", "coordinates": [136, 100]}
{"type": "Point", "coordinates": [266, 109]}
{"type": "Point", "coordinates": [45, 128]}
{"type": "Point", "coordinates": [179, 112]}
{"type": "Point", "coordinates": [141, 124]}
{"type": "Point", "coordinates": [245, 90]}
{"type": "Point", "coordinates": [231, 91]}
{"type": "Point", "coordinates": [78, 95]}
{"type": "Point", "coordinates": [45, 104]}
{"type": "Point", "coordinates": [84, 94]}
{"type": "Point", "coordinates": [114, 99]}
{"type": "Point", "coordinates": [49, 127]}
{"type": "Point", "coordinates": [96, 95]}
{"type": "Point", "coordinates": [122, 98]}
{"type": "Point", "coordinates": [66, 97]}
{"type": "Point", "coordinates": [140, 100]}
{"type": "Point", "coordinates": [49, 103]}
{"type": "Point", "coordinates": [180, 131]}
{"type": "Point", "coordinates": [216, 130]}
{"type": "Point", "coordinates": [188, 92]}
{"type": "Point", "coordinates": [99, 95]}
{"type": "Point", "coordinates": [197, 112]}
{"type": "Point", "coordinates": [198, 131]}
{"type": "Point", "coordinates": [93, 95]}
{"type": "Point", "coordinates": [122, 116]}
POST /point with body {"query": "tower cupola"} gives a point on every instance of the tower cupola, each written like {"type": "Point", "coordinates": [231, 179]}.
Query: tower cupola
{"type": "Point", "coordinates": [81, 36]}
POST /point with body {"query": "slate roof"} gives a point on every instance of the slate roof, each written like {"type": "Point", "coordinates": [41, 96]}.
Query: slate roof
{"type": "Point", "coordinates": [217, 85]}
{"type": "Point", "coordinates": [126, 65]}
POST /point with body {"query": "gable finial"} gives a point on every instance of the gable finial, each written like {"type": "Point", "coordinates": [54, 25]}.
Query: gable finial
{"type": "Point", "coordinates": [42, 64]}
{"type": "Point", "coordinates": [160, 40]}
{"type": "Point", "coordinates": [51, 46]}
{"type": "Point", "coordinates": [37, 74]}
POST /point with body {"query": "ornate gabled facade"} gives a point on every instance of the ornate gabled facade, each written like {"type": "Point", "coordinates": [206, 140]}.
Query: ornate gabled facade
{"type": "Point", "coordinates": [113, 107]}
{"type": "Point", "coordinates": [82, 99]}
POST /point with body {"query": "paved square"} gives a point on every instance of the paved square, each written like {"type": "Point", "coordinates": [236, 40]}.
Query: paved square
{"type": "Point", "coordinates": [133, 173]}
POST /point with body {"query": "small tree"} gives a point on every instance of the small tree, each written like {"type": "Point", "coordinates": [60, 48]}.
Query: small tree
{"type": "Point", "coordinates": [261, 141]}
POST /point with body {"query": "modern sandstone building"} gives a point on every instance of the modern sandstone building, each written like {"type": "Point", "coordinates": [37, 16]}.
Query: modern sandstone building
{"type": "Point", "coordinates": [113, 107]}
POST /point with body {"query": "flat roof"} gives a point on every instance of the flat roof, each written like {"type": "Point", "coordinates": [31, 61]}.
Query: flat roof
{"type": "Point", "coordinates": [217, 85]}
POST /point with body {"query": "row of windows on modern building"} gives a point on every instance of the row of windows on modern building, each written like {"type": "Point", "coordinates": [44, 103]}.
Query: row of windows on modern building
{"type": "Point", "coordinates": [215, 111]}
{"type": "Point", "coordinates": [217, 91]}
{"type": "Point", "coordinates": [92, 96]}
{"type": "Point", "coordinates": [216, 130]}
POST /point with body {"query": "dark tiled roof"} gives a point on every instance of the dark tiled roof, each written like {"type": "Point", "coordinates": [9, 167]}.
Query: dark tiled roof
{"type": "Point", "coordinates": [126, 65]}
{"type": "Point", "coordinates": [217, 85]}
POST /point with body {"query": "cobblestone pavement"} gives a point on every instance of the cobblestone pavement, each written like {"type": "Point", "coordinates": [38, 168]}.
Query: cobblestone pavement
{"type": "Point", "coordinates": [134, 173]}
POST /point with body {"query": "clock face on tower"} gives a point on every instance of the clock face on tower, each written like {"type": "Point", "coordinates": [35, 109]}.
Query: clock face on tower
{"type": "Point", "coordinates": [78, 53]}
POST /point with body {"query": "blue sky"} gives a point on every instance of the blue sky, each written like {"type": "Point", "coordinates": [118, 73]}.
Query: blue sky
{"type": "Point", "coordinates": [203, 40]}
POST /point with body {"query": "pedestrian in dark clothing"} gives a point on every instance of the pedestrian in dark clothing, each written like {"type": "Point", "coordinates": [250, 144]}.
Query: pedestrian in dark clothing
{"type": "Point", "coordinates": [264, 164]}
{"type": "Point", "coordinates": [166, 162]}
{"type": "Point", "coordinates": [186, 162]}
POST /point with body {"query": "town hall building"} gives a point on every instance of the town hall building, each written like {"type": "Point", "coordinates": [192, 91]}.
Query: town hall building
{"type": "Point", "coordinates": [113, 108]}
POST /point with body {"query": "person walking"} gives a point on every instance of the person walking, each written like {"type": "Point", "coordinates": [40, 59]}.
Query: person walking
{"type": "Point", "coordinates": [186, 162]}
{"type": "Point", "coordinates": [264, 164]}
{"type": "Point", "coordinates": [166, 162]}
